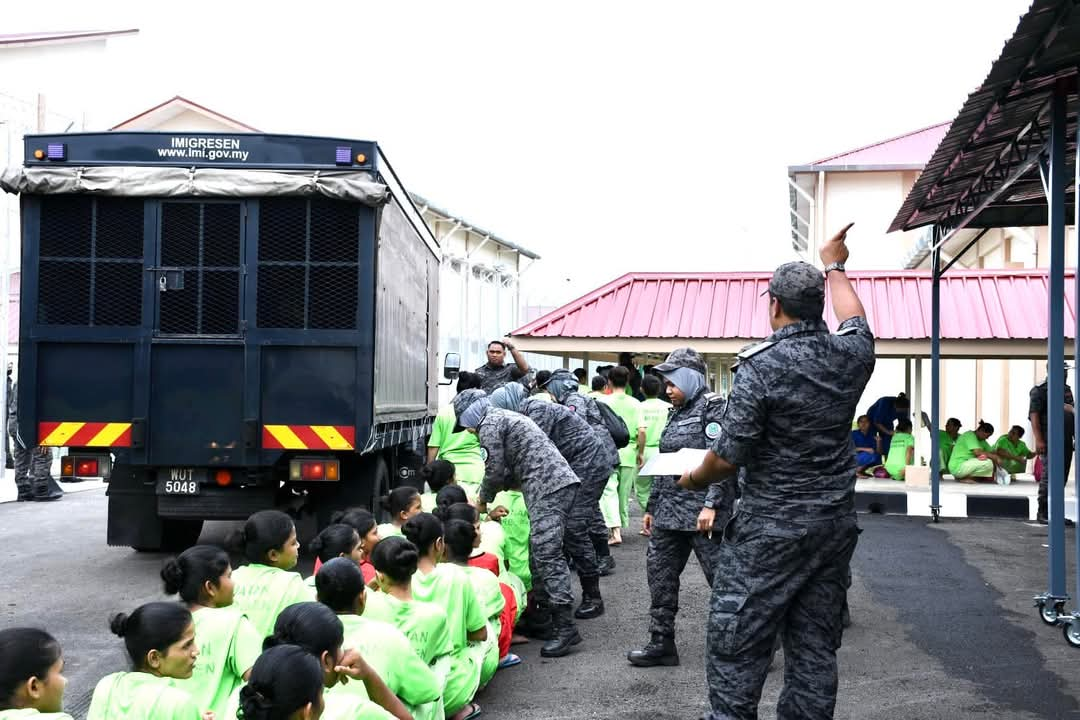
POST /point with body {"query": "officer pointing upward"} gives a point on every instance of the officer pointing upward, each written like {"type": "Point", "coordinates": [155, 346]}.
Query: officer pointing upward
{"type": "Point", "coordinates": [786, 555]}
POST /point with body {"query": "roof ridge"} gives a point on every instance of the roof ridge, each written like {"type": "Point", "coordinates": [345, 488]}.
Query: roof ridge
{"type": "Point", "coordinates": [879, 143]}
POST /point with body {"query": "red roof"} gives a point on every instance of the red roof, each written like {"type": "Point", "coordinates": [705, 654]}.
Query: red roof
{"type": "Point", "coordinates": [976, 305]}
{"type": "Point", "coordinates": [911, 150]}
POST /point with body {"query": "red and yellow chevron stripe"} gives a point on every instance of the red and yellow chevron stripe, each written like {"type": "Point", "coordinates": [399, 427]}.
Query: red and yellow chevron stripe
{"type": "Point", "coordinates": [309, 437]}
{"type": "Point", "coordinates": [84, 434]}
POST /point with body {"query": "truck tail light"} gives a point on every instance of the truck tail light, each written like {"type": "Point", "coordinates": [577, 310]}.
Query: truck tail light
{"type": "Point", "coordinates": [81, 466]}
{"type": "Point", "coordinates": [314, 470]}
{"type": "Point", "coordinates": [223, 478]}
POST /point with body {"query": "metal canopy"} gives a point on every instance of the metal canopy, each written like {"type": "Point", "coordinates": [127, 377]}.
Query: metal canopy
{"type": "Point", "coordinates": [985, 172]}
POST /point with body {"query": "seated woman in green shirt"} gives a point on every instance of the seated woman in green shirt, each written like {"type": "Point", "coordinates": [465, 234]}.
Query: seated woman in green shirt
{"type": "Point", "coordinates": [972, 458]}
{"type": "Point", "coordinates": [437, 474]}
{"type": "Point", "coordinates": [1013, 452]}
{"type": "Point", "coordinates": [286, 682]}
{"type": "Point", "coordinates": [402, 503]}
{"type": "Point", "coordinates": [228, 642]}
{"type": "Point", "coordinates": [341, 588]}
{"type": "Point", "coordinates": [31, 676]}
{"type": "Point", "coordinates": [160, 641]}
{"type": "Point", "coordinates": [901, 450]}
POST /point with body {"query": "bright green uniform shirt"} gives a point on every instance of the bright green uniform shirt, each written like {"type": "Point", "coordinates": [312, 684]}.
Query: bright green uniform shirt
{"type": "Point", "coordinates": [1020, 448]}
{"type": "Point", "coordinates": [654, 415]}
{"type": "Point", "coordinates": [628, 408]}
{"type": "Point", "coordinates": [262, 592]}
{"type": "Point", "coordinates": [32, 714]}
{"type": "Point", "coordinates": [391, 655]}
{"type": "Point", "coordinates": [449, 587]}
{"type": "Point", "coordinates": [338, 707]}
{"type": "Point", "coordinates": [387, 530]}
{"type": "Point", "coordinates": [140, 696]}
{"type": "Point", "coordinates": [492, 539]}
{"type": "Point", "coordinates": [462, 449]}
{"type": "Point", "coordinates": [897, 459]}
{"type": "Point", "coordinates": [965, 448]}
{"type": "Point", "coordinates": [516, 528]}
{"type": "Point", "coordinates": [229, 645]}
{"type": "Point", "coordinates": [945, 444]}
{"type": "Point", "coordinates": [424, 624]}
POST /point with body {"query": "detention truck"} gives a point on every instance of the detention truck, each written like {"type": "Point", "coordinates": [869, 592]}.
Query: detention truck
{"type": "Point", "coordinates": [223, 323]}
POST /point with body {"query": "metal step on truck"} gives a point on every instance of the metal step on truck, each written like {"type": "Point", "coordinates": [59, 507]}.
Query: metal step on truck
{"type": "Point", "coordinates": [224, 323]}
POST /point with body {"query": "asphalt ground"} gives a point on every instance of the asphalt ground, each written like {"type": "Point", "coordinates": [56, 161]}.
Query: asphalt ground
{"type": "Point", "coordinates": [942, 623]}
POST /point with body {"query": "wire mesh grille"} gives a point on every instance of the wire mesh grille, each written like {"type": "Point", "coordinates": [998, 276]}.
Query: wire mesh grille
{"type": "Point", "coordinates": [308, 263]}
{"type": "Point", "coordinates": [203, 242]}
{"type": "Point", "coordinates": [90, 269]}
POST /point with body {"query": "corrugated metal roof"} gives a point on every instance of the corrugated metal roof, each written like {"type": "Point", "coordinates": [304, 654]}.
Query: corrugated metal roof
{"type": "Point", "coordinates": [1044, 49]}
{"type": "Point", "coordinates": [912, 149]}
{"type": "Point", "coordinates": [976, 305]}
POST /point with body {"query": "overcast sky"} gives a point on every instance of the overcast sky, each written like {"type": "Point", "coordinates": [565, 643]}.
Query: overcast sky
{"type": "Point", "coordinates": [606, 136]}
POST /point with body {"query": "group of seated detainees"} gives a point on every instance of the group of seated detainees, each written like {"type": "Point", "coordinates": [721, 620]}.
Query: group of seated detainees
{"type": "Point", "coordinates": [967, 456]}
{"type": "Point", "coordinates": [407, 620]}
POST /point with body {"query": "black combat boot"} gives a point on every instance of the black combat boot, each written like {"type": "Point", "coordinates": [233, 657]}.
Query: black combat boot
{"type": "Point", "coordinates": [564, 632]}
{"type": "Point", "coordinates": [660, 651]}
{"type": "Point", "coordinates": [592, 605]}
{"type": "Point", "coordinates": [535, 622]}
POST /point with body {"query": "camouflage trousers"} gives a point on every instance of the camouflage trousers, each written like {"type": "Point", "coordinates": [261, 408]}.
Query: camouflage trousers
{"type": "Point", "coordinates": [581, 527]}
{"type": "Point", "coordinates": [32, 469]}
{"type": "Point", "coordinates": [547, 561]}
{"type": "Point", "coordinates": [774, 575]}
{"type": "Point", "coordinates": [665, 560]}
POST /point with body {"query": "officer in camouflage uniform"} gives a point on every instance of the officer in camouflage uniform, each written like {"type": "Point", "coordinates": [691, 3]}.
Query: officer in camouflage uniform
{"type": "Point", "coordinates": [33, 465]}
{"type": "Point", "coordinates": [512, 444]}
{"type": "Point", "coordinates": [785, 560]}
{"type": "Point", "coordinates": [588, 459]}
{"type": "Point", "coordinates": [681, 521]}
{"type": "Point", "coordinates": [564, 388]}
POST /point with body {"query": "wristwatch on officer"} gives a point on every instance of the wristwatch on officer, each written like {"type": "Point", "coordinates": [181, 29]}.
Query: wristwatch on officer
{"type": "Point", "coordinates": [834, 266]}
{"type": "Point", "coordinates": [710, 505]}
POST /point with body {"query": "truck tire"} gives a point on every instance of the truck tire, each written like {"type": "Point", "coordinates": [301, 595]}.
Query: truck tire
{"type": "Point", "coordinates": [363, 483]}
{"type": "Point", "coordinates": [179, 535]}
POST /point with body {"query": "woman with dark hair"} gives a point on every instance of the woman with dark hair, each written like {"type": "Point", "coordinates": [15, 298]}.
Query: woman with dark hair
{"type": "Point", "coordinates": [972, 459]}
{"type": "Point", "coordinates": [401, 503]}
{"type": "Point", "coordinates": [363, 522]}
{"type": "Point", "coordinates": [437, 474]}
{"type": "Point", "coordinates": [31, 676]}
{"type": "Point", "coordinates": [267, 585]}
{"type": "Point", "coordinates": [341, 588]}
{"type": "Point", "coordinates": [286, 684]}
{"type": "Point", "coordinates": [160, 642]}
{"type": "Point", "coordinates": [228, 642]}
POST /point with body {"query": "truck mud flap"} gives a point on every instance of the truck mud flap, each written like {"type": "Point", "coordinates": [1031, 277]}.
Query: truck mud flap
{"type": "Point", "coordinates": [214, 503]}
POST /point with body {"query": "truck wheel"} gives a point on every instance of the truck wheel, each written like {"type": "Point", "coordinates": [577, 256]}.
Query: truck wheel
{"type": "Point", "coordinates": [179, 535]}
{"type": "Point", "coordinates": [380, 485]}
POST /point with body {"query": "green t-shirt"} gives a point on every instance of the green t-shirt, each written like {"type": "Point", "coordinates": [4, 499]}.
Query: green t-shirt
{"type": "Point", "coordinates": [228, 645]}
{"type": "Point", "coordinates": [448, 587]}
{"type": "Point", "coordinates": [32, 714]}
{"type": "Point", "coordinates": [261, 592]}
{"type": "Point", "coordinates": [1020, 448]}
{"type": "Point", "coordinates": [337, 707]}
{"type": "Point", "coordinates": [654, 416]}
{"type": "Point", "coordinates": [488, 592]}
{"type": "Point", "coordinates": [628, 408]}
{"type": "Point", "coordinates": [391, 655]}
{"type": "Point", "coordinates": [424, 624]}
{"type": "Point", "coordinates": [387, 530]}
{"type": "Point", "coordinates": [516, 528]}
{"type": "Point", "coordinates": [965, 448]}
{"type": "Point", "coordinates": [897, 459]}
{"type": "Point", "coordinates": [492, 538]}
{"type": "Point", "coordinates": [462, 448]}
{"type": "Point", "coordinates": [140, 696]}
{"type": "Point", "coordinates": [945, 444]}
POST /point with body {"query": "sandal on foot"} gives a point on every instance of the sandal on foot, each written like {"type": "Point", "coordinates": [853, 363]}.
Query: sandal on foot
{"type": "Point", "coordinates": [509, 661]}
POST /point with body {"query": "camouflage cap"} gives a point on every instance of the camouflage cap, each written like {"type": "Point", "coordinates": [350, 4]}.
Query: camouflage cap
{"type": "Point", "coordinates": [798, 282]}
{"type": "Point", "coordinates": [682, 358]}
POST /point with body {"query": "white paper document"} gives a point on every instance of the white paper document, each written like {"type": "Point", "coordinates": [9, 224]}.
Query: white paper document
{"type": "Point", "coordinates": [675, 463]}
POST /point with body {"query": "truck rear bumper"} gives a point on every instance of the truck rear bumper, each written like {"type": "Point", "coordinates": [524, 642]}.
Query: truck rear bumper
{"type": "Point", "coordinates": [215, 503]}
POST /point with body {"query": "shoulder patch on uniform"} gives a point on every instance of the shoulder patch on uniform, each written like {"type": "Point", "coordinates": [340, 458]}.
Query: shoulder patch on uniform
{"type": "Point", "coordinates": [849, 330]}
{"type": "Point", "coordinates": [713, 397]}
{"type": "Point", "coordinates": [712, 430]}
{"type": "Point", "coordinates": [759, 348]}
{"type": "Point", "coordinates": [483, 453]}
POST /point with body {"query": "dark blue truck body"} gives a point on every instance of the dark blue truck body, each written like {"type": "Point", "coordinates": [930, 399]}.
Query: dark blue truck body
{"type": "Point", "coordinates": [235, 322]}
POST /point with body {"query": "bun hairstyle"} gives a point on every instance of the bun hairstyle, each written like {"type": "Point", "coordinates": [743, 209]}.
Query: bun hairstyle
{"type": "Point", "coordinates": [339, 583]}
{"type": "Point", "coordinates": [187, 574]}
{"type": "Point", "coordinates": [437, 474]}
{"type": "Point", "coordinates": [360, 519]}
{"type": "Point", "coordinates": [422, 530]}
{"type": "Point", "coordinates": [451, 495]}
{"type": "Point", "coordinates": [396, 558]}
{"type": "Point", "coordinates": [264, 531]}
{"type": "Point", "coordinates": [335, 540]}
{"type": "Point", "coordinates": [459, 538]}
{"type": "Point", "coordinates": [153, 626]}
{"type": "Point", "coordinates": [312, 626]}
{"type": "Point", "coordinates": [985, 427]}
{"type": "Point", "coordinates": [468, 381]}
{"type": "Point", "coordinates": [24, 653]}
{"type": "Point", "coordinates": [399, 500]}
{"type": "Point", "coordinates": [283, 680]}
{"type": "Point", "coordinates": [457, 511]}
